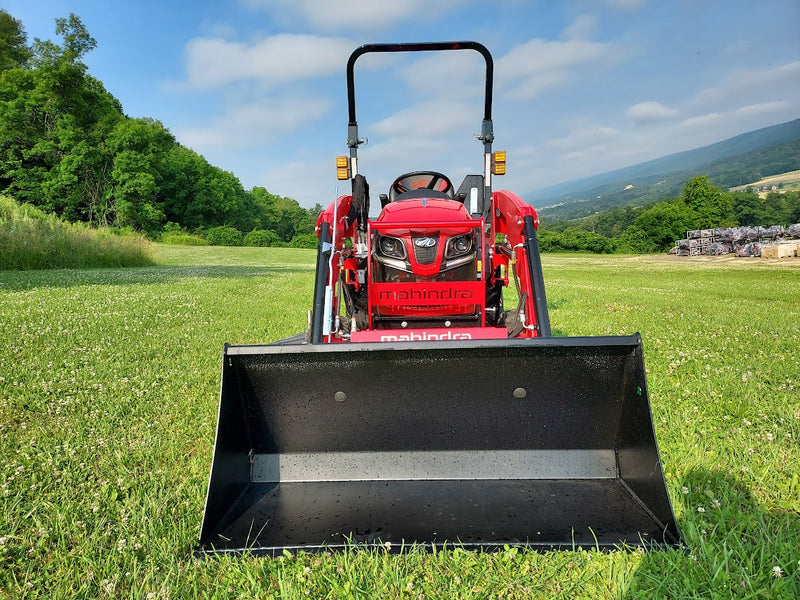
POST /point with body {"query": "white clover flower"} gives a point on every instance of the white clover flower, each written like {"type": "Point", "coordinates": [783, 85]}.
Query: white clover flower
{"type": "Point", "coordinates": [700, 509]}
{"type": "Point", "coordinates": [684, 490]}
{"type": "Point", "coordinates": [777, 571]}
{"type": "Point", "coordinates": [715, 503]}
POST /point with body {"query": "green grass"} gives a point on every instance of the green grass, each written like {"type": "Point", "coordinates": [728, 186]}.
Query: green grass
{"type": "Point", "coordinates": [31, 239]}
{"type": "Point", "coordinates": [109, 384]}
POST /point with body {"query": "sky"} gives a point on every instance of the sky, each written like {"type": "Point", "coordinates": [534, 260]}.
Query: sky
{"type": "Point", "coordinates": [581, 87]}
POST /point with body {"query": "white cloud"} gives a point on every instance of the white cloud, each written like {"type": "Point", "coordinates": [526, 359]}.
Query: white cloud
{"type": "Point", "coordinates": [538, 64]}
{"type": "Point", "coordinates": [304, 181]}
{"type": "Point", "coordinates": [581, 28]}
{"type": "Point", "coordinates": [430, 120]}
{"type": "Point", "coordinates": [764, 107]}
{"type": "Point", "coordinates": [585, 138]}
{"type": "Point", "coordinates": [254, 124]}
{"type": "Point", "coordinates": [701, 120]}
{"type": "Point", "coordinates": [215, 62]}
{"type": "Point", "coordinates": [740, 88]}
{"type": "Point", "coordinates": [461, 74]}
{"type": "Point", "coordinates": [650, 111]}
{"type": "Point", "coordinates": [431, 135]}
{"type": "Point", "coordinates": [328, 15]}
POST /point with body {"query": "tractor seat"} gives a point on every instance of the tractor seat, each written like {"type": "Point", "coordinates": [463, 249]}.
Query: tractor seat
{"type": "Point", "coordinates": [421, 184]}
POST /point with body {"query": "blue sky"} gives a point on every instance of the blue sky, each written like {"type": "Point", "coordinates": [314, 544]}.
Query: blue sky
{"type": "Point", "coordinates": [581, 87]}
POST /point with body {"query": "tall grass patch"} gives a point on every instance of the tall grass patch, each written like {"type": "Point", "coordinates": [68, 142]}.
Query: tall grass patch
{"type": "Point", "coordinates": [31, 239]}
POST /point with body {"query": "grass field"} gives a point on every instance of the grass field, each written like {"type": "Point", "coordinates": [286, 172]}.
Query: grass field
{"type": "Point", "coordinates": [109, 384]}
{"type": "Point", "coordinates": [790, 181]}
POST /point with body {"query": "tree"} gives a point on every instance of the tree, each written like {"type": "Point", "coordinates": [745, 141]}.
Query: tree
{"type": "Point", "coordinates": [747, 207]}
{"type": "Point", "coordinates": [793, 207]}
{"type": "Point", "coordinates": [661, 225]}
{"type": "Point", "coordinates": [268, 208]}
{"type": "Point", "coordinates": [261, 237]}
{"type": "Point", "coordinates": [14, 50]}
{"type": "Point", "coordinates": [134, 192]}
{"type": "Point", "coordinates": [636, 241]}
{"type": "Point", "coordinates": [53, 121]}
{"type": "Point", "coordinates": [549, 241]}
{"type": "Point", "coordinates": [777, 209]}
{"type": "Point", "coordinates": [224, 236]}
{"type": "Point", "coordinates": [77, 40]}
{"type": "Point", "coordinates": [712, 207]}
{"type": "Point", "coordinates": [76, 43]}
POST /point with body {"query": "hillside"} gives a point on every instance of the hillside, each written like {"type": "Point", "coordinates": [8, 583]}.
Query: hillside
{"type": "Point", "coordinates": [784, 182]}
{"type": "Point", "coordinates": [736, 161]}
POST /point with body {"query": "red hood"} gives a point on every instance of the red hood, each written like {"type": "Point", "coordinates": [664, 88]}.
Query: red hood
{"type": "Point", "coordinates": [424, 210]}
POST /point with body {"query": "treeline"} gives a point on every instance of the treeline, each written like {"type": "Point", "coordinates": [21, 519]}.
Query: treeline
{"type": "Point", "coordinates": [67, 147]}
{"type": "Point", "coordinates": [656, 226]}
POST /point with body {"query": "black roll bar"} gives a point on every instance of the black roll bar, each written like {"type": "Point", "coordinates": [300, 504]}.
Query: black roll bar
{"type": "Point", "coordinates": [418, 47]}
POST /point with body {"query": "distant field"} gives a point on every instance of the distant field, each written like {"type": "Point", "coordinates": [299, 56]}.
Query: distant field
{"type": "Point", "coordinates": [790, 181]}
{"type": "Point", "coordinates": [109, 387]}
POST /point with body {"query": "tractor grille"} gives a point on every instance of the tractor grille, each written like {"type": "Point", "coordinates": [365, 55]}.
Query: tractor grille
{"type": "Point", "coordinates": [425, 254]}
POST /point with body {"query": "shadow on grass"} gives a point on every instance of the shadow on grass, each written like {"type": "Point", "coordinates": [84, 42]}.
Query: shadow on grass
{"type": "Point", "coordinates": [67, 278]}
{"type": "Point", "coordinates": [736, 547]}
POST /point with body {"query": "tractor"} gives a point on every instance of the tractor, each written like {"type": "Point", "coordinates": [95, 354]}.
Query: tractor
{"type": "Point", "coordinates": [428, 402]}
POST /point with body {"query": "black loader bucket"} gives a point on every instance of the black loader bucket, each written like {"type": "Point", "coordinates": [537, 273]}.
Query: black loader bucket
{"type": "Point", "coordinates": [546, 442]}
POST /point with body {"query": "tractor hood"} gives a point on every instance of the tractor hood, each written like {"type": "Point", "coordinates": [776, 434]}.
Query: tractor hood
{"type": "Point", "coordinates": [424, 210]}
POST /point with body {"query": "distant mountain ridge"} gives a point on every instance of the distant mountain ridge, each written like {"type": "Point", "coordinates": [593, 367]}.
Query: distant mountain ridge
{"type": "Point", "coordinates": [738, 160]}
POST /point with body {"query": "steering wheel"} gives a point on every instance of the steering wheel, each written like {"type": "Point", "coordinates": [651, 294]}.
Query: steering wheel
{"type": "Point", "coordinates": [417, 180]}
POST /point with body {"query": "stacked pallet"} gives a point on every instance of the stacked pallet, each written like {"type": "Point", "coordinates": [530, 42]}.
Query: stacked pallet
{"type": "Point", "coordinates": [742, 241]}
{"type": "Point", "coordinates": [780, 250]}
{"type": "Point", "coordinates": [696, 242]}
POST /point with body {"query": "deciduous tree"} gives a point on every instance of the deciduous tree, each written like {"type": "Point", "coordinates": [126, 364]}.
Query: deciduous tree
{"type": "Point", "coordinates": [14, 50]}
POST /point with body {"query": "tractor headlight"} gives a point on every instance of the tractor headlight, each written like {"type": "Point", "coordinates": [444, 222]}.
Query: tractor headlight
{"type": "Point", "coordinates": [458, 246]}
{"type": "Point", "coordinates": [392, 247]}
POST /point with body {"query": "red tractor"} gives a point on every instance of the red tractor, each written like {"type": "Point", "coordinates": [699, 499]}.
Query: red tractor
{"type": "Point", "coordinates": [418, 409]}
{"type": "Point", "coordinates": [434, 263]}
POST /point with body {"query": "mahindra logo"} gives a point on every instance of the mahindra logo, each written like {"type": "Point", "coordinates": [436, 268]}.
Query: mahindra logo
{"type": "Point", "coordinates": [425, 242]}
{"type": "Point", "coordinates": [424, 336]}
{"type": "Point", "coordinates": [423, 294]}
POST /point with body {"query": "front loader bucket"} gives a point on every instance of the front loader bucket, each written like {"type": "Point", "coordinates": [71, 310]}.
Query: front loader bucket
{"type": "Point", "coordinates": [546, 442]}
